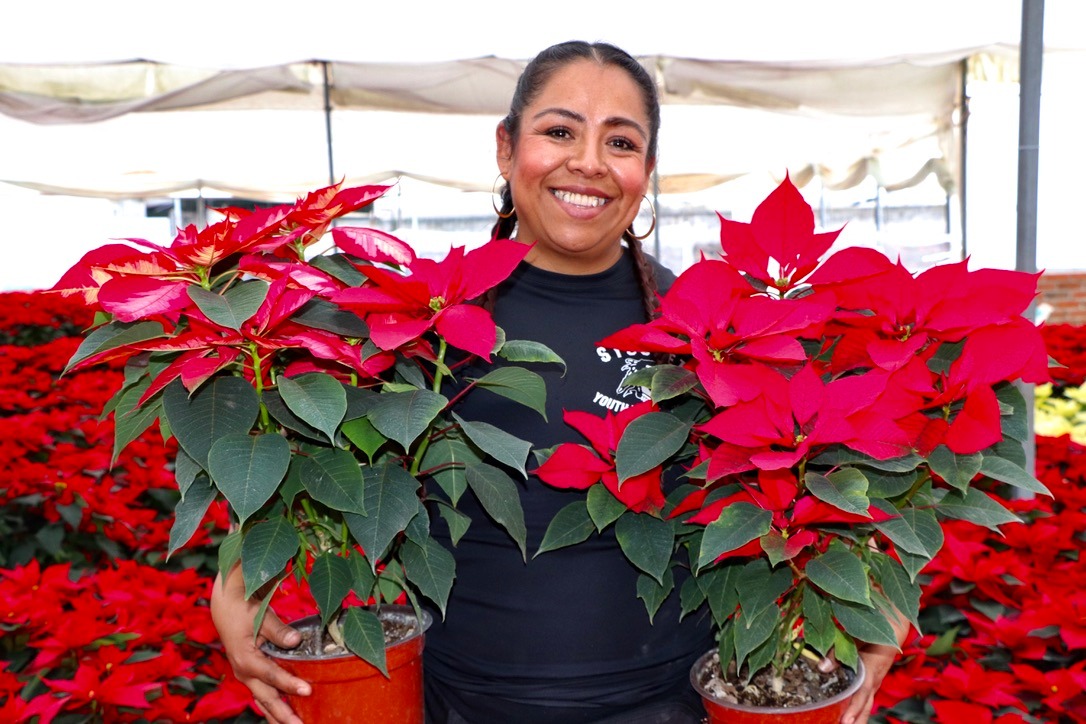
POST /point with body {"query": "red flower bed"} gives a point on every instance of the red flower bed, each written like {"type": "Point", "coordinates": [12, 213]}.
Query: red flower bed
{"type": "Point", "coordinates": [96, 625]}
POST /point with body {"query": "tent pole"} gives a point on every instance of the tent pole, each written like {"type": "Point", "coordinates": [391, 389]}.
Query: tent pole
{"type": "Point", "coordinates": [1030, 55]}
{"type": "Point", "coordinates": [328, 121]}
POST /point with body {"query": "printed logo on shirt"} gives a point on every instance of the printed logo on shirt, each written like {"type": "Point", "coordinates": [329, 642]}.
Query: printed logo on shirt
{"type": "Point", "coordinates": [620, 365]}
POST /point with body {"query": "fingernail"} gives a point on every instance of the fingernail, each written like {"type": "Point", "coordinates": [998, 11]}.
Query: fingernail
{"type": "Point", "coordinates": [825, 666]}
{"type": "Point", "coordinates": [304, 690]}
{"type": "Point", "coordinates": [292, 638]}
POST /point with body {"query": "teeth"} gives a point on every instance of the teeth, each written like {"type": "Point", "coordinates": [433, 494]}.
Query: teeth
{"type": "Point", "coordinates": [579, 199]}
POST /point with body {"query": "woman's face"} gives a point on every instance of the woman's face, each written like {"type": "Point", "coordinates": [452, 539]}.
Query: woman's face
{"type": "Point", "coordinates": [579, 168]}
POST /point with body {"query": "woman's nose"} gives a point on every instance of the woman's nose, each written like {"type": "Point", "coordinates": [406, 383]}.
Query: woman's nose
{"type": "Point", "coordinates": [587, 159]}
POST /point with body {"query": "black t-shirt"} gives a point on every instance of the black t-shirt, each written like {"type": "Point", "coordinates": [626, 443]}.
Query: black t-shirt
{"type": "Point", "coordinates": [565, 629]}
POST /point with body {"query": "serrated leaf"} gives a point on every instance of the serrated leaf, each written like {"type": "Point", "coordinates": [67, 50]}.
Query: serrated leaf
{"type": "Point", "coordinates": [570, 525]}
{"type": "Point", "coordinates": [265, 551]}
{"type": "Point", "coordinates": [647, 541]}
{"type": "Point", "coordinates": [235, 306]}
{"type": "Point", "coordinates": [248, 469]}
{"type": "Point", "coordinates": [500, 445]}
{"type": "Point", "coordinates": [365, 636]}
{"type": "Point", "coordinates": [519, 385]}
{"type": "Point", "coordinates": [334, 477]}
{"type": "Point", "coordinates": [840, 573]}
{"type": "Point", "coordinates": [190, 512]}
{"type": "Point", "coordinates": [403, 416]}
{"type": "Point", "coordinates": [648, 442]}
{"type": "Point", "coordinates": [498, 494]}
{"type": "Point", "coordinates": [844, 489]}
{"type": "Point", "coordinates": [224, 406]}
{"type": "Point", "coordinates": [738, 524]}
{"type": "Point", "coordinates": [391, 500]}
{"type": "Point", "coordinates": [318, 399]}
{"type": "Point", "coordinates": [431, 569]}
{"type": "Point", "coordinates": [330, 581]}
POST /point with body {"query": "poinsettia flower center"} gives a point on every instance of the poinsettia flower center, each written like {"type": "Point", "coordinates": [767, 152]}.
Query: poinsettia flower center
{"type": "Point", "coordinates": [437, 303]}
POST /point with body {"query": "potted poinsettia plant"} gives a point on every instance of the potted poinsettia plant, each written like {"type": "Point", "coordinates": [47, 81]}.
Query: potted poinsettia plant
{"type": "Point", "coordinates": [316, 393]}
{"type": "Point", "coordinates": [811, 422]}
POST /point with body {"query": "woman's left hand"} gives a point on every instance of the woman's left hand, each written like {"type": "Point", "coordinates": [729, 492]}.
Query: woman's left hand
{"type": "Point", "coordinates": [877, 658]}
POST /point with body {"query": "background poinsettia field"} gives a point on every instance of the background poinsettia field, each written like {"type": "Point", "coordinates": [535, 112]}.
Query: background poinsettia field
{"type": "Point", "coordinates": [96, 624]}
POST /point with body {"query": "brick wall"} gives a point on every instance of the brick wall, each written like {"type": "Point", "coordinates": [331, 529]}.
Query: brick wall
{"type": "Point", "coordinates": [1065, 292]}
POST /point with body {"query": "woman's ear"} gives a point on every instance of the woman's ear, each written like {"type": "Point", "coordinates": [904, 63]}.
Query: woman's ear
{"type": "Point", "coordinates": [505, 150]}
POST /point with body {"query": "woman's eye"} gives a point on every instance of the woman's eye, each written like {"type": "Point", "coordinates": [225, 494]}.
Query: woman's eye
{"type": "Point", "coordinates": [558, 132]}
{"type": "Point", "coordinates": [624, 143]}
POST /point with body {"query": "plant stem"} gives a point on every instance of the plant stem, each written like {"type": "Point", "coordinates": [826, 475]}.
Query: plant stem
{"type": "Point", "coordinates": [439, 378]}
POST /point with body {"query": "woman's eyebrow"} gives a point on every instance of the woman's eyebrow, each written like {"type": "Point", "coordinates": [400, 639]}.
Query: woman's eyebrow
{"type": "Point", "coordinates": [612, 121]}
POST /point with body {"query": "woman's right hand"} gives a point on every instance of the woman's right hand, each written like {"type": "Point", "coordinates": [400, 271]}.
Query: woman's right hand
{"type": "Point", "coordinates": [233, 617]}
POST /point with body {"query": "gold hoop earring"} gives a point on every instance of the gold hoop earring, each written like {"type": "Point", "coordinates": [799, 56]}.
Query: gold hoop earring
{"type": "Point", "coordinates": [493, 193]}
{"type": "Point", "coordinates": [652, 226]}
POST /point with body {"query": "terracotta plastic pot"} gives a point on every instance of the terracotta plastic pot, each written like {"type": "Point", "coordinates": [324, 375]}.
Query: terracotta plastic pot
{"type": "Point", "coordinates": [347, 689]}
{"type": "Point", "coordinates": [827, 711]}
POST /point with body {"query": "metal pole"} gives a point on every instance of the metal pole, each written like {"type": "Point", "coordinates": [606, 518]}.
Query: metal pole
{"type": "Point", "coordinates": [328, 120]}
{"type": "Point", "coordinates": [1031, 53]}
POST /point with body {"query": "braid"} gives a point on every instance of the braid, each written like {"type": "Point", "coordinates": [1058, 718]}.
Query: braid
{"type": "Point", "coordinates": [504, 228]}
{"type": "Point", "coordinates": [646, 277]}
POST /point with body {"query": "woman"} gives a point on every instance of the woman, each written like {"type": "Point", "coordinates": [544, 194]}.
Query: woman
{"type": "Point", "coordinates": [562, 638]}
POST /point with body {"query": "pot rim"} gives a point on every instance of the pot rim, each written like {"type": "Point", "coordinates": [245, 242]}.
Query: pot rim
{"type": "Point", "coordinates": [425, 622]}
{"type": "Point", "coordinates": [853, 687]}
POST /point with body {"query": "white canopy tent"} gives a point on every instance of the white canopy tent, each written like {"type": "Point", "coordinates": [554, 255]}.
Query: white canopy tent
{"type": "Point", "coordinates": [118, 99]}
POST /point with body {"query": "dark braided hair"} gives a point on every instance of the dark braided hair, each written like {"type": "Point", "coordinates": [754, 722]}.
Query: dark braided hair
{"type": "Point", "coordinates": [531, 82]}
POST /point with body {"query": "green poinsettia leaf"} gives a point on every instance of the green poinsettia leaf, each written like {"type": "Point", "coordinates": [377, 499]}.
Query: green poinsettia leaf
{"type": "Point", "coordinates": [265, 551]}
{"type": "Point", "coordinates": [403, 416]}
{"type": "Point", "coordinates": [648, 442]}
{"type": "Point", "coordinates": [603, 507]}
{"type": "Point", "coordinates": [519, 385]}
{"type": "Point", "coordinates": [819, 630]}
{"type": "Point", "coordinates": [498, 444]}
{"type": "Point", "coordinates": [737, 525]}
{"type": "Point", "coordinates": [1007, 472]}
{"type": "Point", "coordinates": [844, 649]}
{"type": "Point", "coordinates": [647, 541]}
{"type": "Point", "coordinates": [431, 569]}
{"type": "Point", "coordinates": [691, 597]}
{"type": "Point", "coordinates": [226, 405]}
{"type": "Point", "coordinates": [248, 469]}
{"type": "Point", "coordinates": [317, 399]}
{"type": "Point", "coordinates": [131, 419]}
{"type": "Point", "coordinates": [1015, 425]}
{"type": "Point", "coordinates": [365, 636]}
{"type": "Point", "coordinates": [333, 477]}
{"type": "Point", "coordinates": [330, 581]}
{"type": "Point", "coordinates": [840, 573]}
{"type": "Point", "coordinates": [839, 455]}
{"type": "Point", "coordinates": [882, 484]}
{"type": "Point", "coordinates": [899, 530]}
{"type": "Point", "coordinates": [976, 507]}
{"type": "Point", "coordinates": [664, 382]}
{"type": "Point", "coordinates": [570, 525]}
{"type": "Point", "coordinates": [720, 587]}
{"type": "Point", "coordinates": [230, 549]}
{"type": "Point", "coordinates": [498, 494]}
{"type": "Point", "coordinates": [654, 593]}
{"type": "Point", "coordinates": [863, 623]}
{"type": "Point", "coordinates": [844, 489]}
{"type": "Point", "coordinates": [390, 499]}
{"type": "Point", "coordinates": [362, 577]}
{"type": "Point", "coordinates": [902, 591]}
{"type": "Point", "coordinates": [111, 336]}
{"type": "Point", "coordinates": [518, 350]}
{"type": "Point", "coordinates": [448, 459]}
{"type": "Point", "coordinates": [364, 436]}
{"type": "Point", "coordinates": [956, 470]}
{"type": "Point", "coordinates": [753, 630]}
{"type": "Point", "coordinates": [321, 314]}
{"type": "Point", "coordinates": [458, 522]}
{"type": "Point", "coordinates": [235, 306]}
{"type": "Point", "coordinates": [190, 511]}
